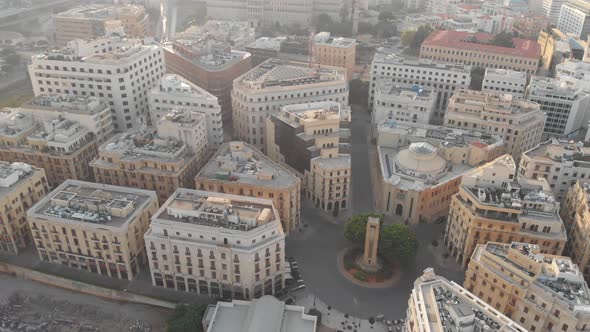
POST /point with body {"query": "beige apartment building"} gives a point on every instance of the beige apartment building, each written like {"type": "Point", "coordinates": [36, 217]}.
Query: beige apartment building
{"type": "Point", "coordinates": [337, 52]}
{"type": "Point", "coordinates": [240, 169]}
{"type": "Point", "coordinates": [575, 212]}
{"type": "Point", "coordinates": [62, 147]}
{"type": "Point", "coordinates": [21, 186]}
{"type": "Point", "coordinates": [439, 305]}
{"type": "Point", "coordinates": [421, 166]}
{"type": "Point", "coordinates": [313, 140]}
{"type": "Point", "coordinates": [94, 227]}
{"type": "Point", "coordinates": [494, 204]}
{"type": "Point", "coordinates": [474, 49]}
{"type": "Point", "coordinates": [216, 244]}
{"type": "Point", "coordinates": [540, 292]}
{"type": "Point", "coordinates": [518, 122]}
{"type": "Point", "coordinates": [96, 20]}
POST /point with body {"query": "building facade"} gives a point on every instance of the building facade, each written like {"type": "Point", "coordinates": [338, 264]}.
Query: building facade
{"type": "Point", "coordinates": [493, 204]}
{"type": "Point", "coordinates": [517, 121]}
{"type": "Point", "coordinates": [262, 92]}
{"type": "Point", "coordinates": [392, 102]}
{"type": "Point", "coordinates": [540, 292]}
{"type": "Point", "coordinates": [94, 227]}
{"type": "Point", "coordinates": [264, 12]}
{"type": "Point", "coordinates": [21, 186]}
{"type": "Point", "coordinates": [574, 18]}
{"type": "Point", "coordinates": [576, 218]}
{"type": "Point", "coordinates": [335, 52]}
{"type": "Point", "coordinates": [240, 169]}
{"type": "Point", "coordinates": [216, 244]}
{"type": "Point", "coordinates": [175, 92]}
{"type": "Point", "coordinates": [118, 71]}
{"type": "Point", "coordinates": [473, 49]}
{"type": "Point", "coordinates": [505, 81]}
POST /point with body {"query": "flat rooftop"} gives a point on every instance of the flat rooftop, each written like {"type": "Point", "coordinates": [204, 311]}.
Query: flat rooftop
{"type": "Point", "coordinates": [415, 92]}
{"type": "Point", "coordinates": [93, 203]}
{"type": "Point", "coordinates": [337, 42]}
{"type": "Point", "coordinates": [561, 151]}
{"type": "Point", "coordinates": [298, 114]}
{"type": "Point", "coordinates": [216, 210]}
{"type": "Point", "coordinates": [275, 73]}
{"type": "Point", "coordinates": [506, 73]}
{"type": "Point", "coordinates": [177, 85]}
{"type": "Point", "coordinates": [209, 61]}
{"type": "Point", "coordinates": [100, 11]}
{"type": "Point", "coordinates": [12, 175]}
{"type": "Point", "coordinates": [241, 163]}
{"type": "Point", "coordinates": [383, 57]}
{"type": "Point", "coordinates": [139, 144]}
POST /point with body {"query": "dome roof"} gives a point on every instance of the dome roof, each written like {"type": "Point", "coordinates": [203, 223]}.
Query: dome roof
{"type": "Point", "coordinates": [421, 158]}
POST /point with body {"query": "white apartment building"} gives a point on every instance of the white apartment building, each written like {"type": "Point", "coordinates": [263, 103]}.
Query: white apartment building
{"type": "Point", "coordinates": [562, 163]}
{"type": "Point", "coordinates": [440, 78]}
{"type": "Point", "coordinates": [262, 12]}
{"type": "Point", "coordinates": [565, 106]}
{"type": "Point", "coordinates": [186, 126]}
{"type": "Point", "coordinates": [392, 102]}
{"type": "Point", "coordinates": [552, 9]}
{"type": "Point", "coordinates": [217, 244]}
{"type": "Point", "coordinates": [116, 70]}
{"type": "Point", "coordinates": [574, 18]}
{"type": "Point", "coordinates": [90, 112]}
{"type": "Point", "coordinates": [509, 81]}
{"type": "Point", "coordinates": [174, 92]}
{"type": "Point", "coordinates": [574, 73]}
{"type": "Point", "coordinates": [263, 90]}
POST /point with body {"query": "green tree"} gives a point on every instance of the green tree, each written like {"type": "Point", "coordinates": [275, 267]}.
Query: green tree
{"type": "Point", "coordinates": [397, 243]}
{"type": "Point", "coordinates": [322, 22]}
{"type": "Point", "coordinates": [421, 34]}
{"type": "Point", "coordinates": [186, 318]}
{"type": "Point", "coordinates": [408, 37]}
{"type": "Point", "coordinates": [317, 313]}
{"type": "Point", "coordinates": [503, 39]}
{"type": "Point", "coordinates": [355, 228]}
{"type": "Point", "coordinates": [385, 16]}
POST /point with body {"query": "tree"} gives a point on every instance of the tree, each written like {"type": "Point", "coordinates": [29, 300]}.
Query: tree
{"type": "Point", "coordinates": [358, 92]}
{"type": "Point", "coordinates": [503, 39]}
{"type": "Point", "coordinates": [421, 34]}
{"type": "Point", "coordinates": [397, 243]}
{"type": "Point", "coordinates": [186, 318]}
{"type": "Point", "coordinates": [317, 313]}
{"type": "Point", "coordinates": [355, 228]}
{"type": "Point", "coordinates": [408, 37]}
{"type": "Point", "coordinates": [322, 22]}
{"type": "Point", "coordinates": [385, 16]}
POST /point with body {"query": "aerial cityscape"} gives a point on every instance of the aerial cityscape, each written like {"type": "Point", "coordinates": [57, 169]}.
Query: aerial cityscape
{"type": "Point", "coordinates": [294, 165]}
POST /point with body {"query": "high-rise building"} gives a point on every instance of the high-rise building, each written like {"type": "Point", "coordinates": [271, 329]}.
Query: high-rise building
{"type": "Point", "coordinates": [519, 122]}
{"type": "Point", "coordinates": [240, 169]}
{"type": "Point", "coordinates": [262, 92]}
{"type": "Point", "coordinates": [421, 167]}
{"type": "Point", "coordinates": [440, 78]}
{"type": "Point", "coordinates": [494, 204]}
{"type": "Point", "coordinates": [574, 73]}
{"type": "Point", "coordinates": [565, 106]}
{"type": "Point", "coordinates": [265, 12]}
{"type": "Point", "coordinates": [116, 70]}
{"type": "Point", "coordinates": [313, 140]}
{"type": "Point", "coordinates": [213, 72]}
{"type": "Point", "coordinates": [575, 212]}
{"type": "Point", "coordinates": [175, 92]}
{"type": "Point", "coordinates": [95, 21]}
{"type": "Point", "coordinates": [552, 9]}
{"type": "Point", "coordinates": [540, 292]}
{"type": "Point", "coordinates": [88, 111]}
{"type": "Point", "coordinates": [217, 244]}
{"type": "Point", "coordinates": [438, 305]}
{"type": "Point", "coordinates": [21, 186]}
{"type": "Point", "coordinates": [574, 18]}
{"type": "Point", "coordinates": [473, 49]}
{"type": "Point", "coordinates": [62, 147]}
{"type": "Point", "coordinates": [393, 102]}
{"type": "Point", "coordinates": [94, 227]}
{"type": "Point", "coordinates": [505, 81]}
{"type": "Point", "coordinates": [334, 51]}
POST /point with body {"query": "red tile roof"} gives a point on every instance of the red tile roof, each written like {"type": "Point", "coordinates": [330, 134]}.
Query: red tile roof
{"type": "Point", "coordinates": [457, 39]}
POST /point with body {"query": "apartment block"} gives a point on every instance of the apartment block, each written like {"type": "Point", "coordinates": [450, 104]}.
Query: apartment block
{"type": "Point", "coordinates": [264, 12]}
{"type": "Point", "coordinates": [21, 186]}
{"type": "Point", "coordinates": [313, 140]}
{"type": "Point", "coordinates": [517, 121]}
{"type": "Point", "coordinates": [94, 227]}
{"type": "Point", "coordinates": [213, 72]}
{"type": "Point", "coordinates": [240, 169]}
{"type": "Point", "coordinates": [565, 106]}
{"type": "Point", "coordinates": [118, 71]}
{"type": "Point", "coordinates": [217, 244]}
{"type": "Point", "coordinates": [393, 102]}
{"type": "Point", "coordinates": [474, 49]}
{"type": "Point", "coordinates": [147, 160]}
{"type": "Point", "coordinates": [505, 81]}
{"type": "Point", "coordinates": [438, 305]}
{"type": "Point", "coordinates": [574, 18]}
{"type": "Point", "coordinates": [62, 147]}
{"type": "Point", "coordinates": [421, 166]}
{"type": "Point", "coordinates": [494, 204]}
{"type": "Point", "coordinates": [262, 92]}
{"type": "Point", "coordinates": [575, 213]}
{"type": "Point", "coordinates": [440, 78]}
{"type": "Point", "coordinates": [574, 73]}
{"type": "Point", "coordinates": [561, 162]}
{"type": "Point", "coordinates": [88, 111]}
{"type": "Point", "coordinates": [540, 292]}
{"type": "Point", "coordinates": [214, 36]}
{"type": "Point", "coordinates": [175, 92]}
{"type": "Point", "coordinates": [188, 127]}
{"type": "Point", "coordinates": [96, 20]}
{"type": "Point", "coordinates": [552, 9]}
{"type": "Point", "coordinates": [335, 52]}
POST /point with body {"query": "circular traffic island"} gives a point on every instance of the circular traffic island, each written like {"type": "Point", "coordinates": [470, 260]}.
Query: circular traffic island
{"type": "Point", "coordinates": [380, 275]}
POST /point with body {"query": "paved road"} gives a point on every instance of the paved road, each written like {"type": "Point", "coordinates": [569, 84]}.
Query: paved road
{"type": "Point", "coordinates": [362, 193]}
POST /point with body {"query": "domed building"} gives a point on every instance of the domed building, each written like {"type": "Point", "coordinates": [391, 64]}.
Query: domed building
{"type": "Point", "coordinates": [422, 166]}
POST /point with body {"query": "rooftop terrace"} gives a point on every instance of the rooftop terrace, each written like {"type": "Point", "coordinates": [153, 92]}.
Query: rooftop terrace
{"type": "Point", "coordinates": [384, 57]}
{"type": "Point", "coordinates": [178, 85]}
{"type": "Point", "coordinates": [99, 11]}
{"type": "Point", "coordinates": [13, 175]}
{"type": "Point", "coordinates": [561, 151]}
{"type": "Point", "coordinates": [67, 103]}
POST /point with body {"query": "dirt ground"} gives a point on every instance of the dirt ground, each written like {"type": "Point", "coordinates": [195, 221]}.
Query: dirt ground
{"type": "Point", "coordinates": [26, 306]}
